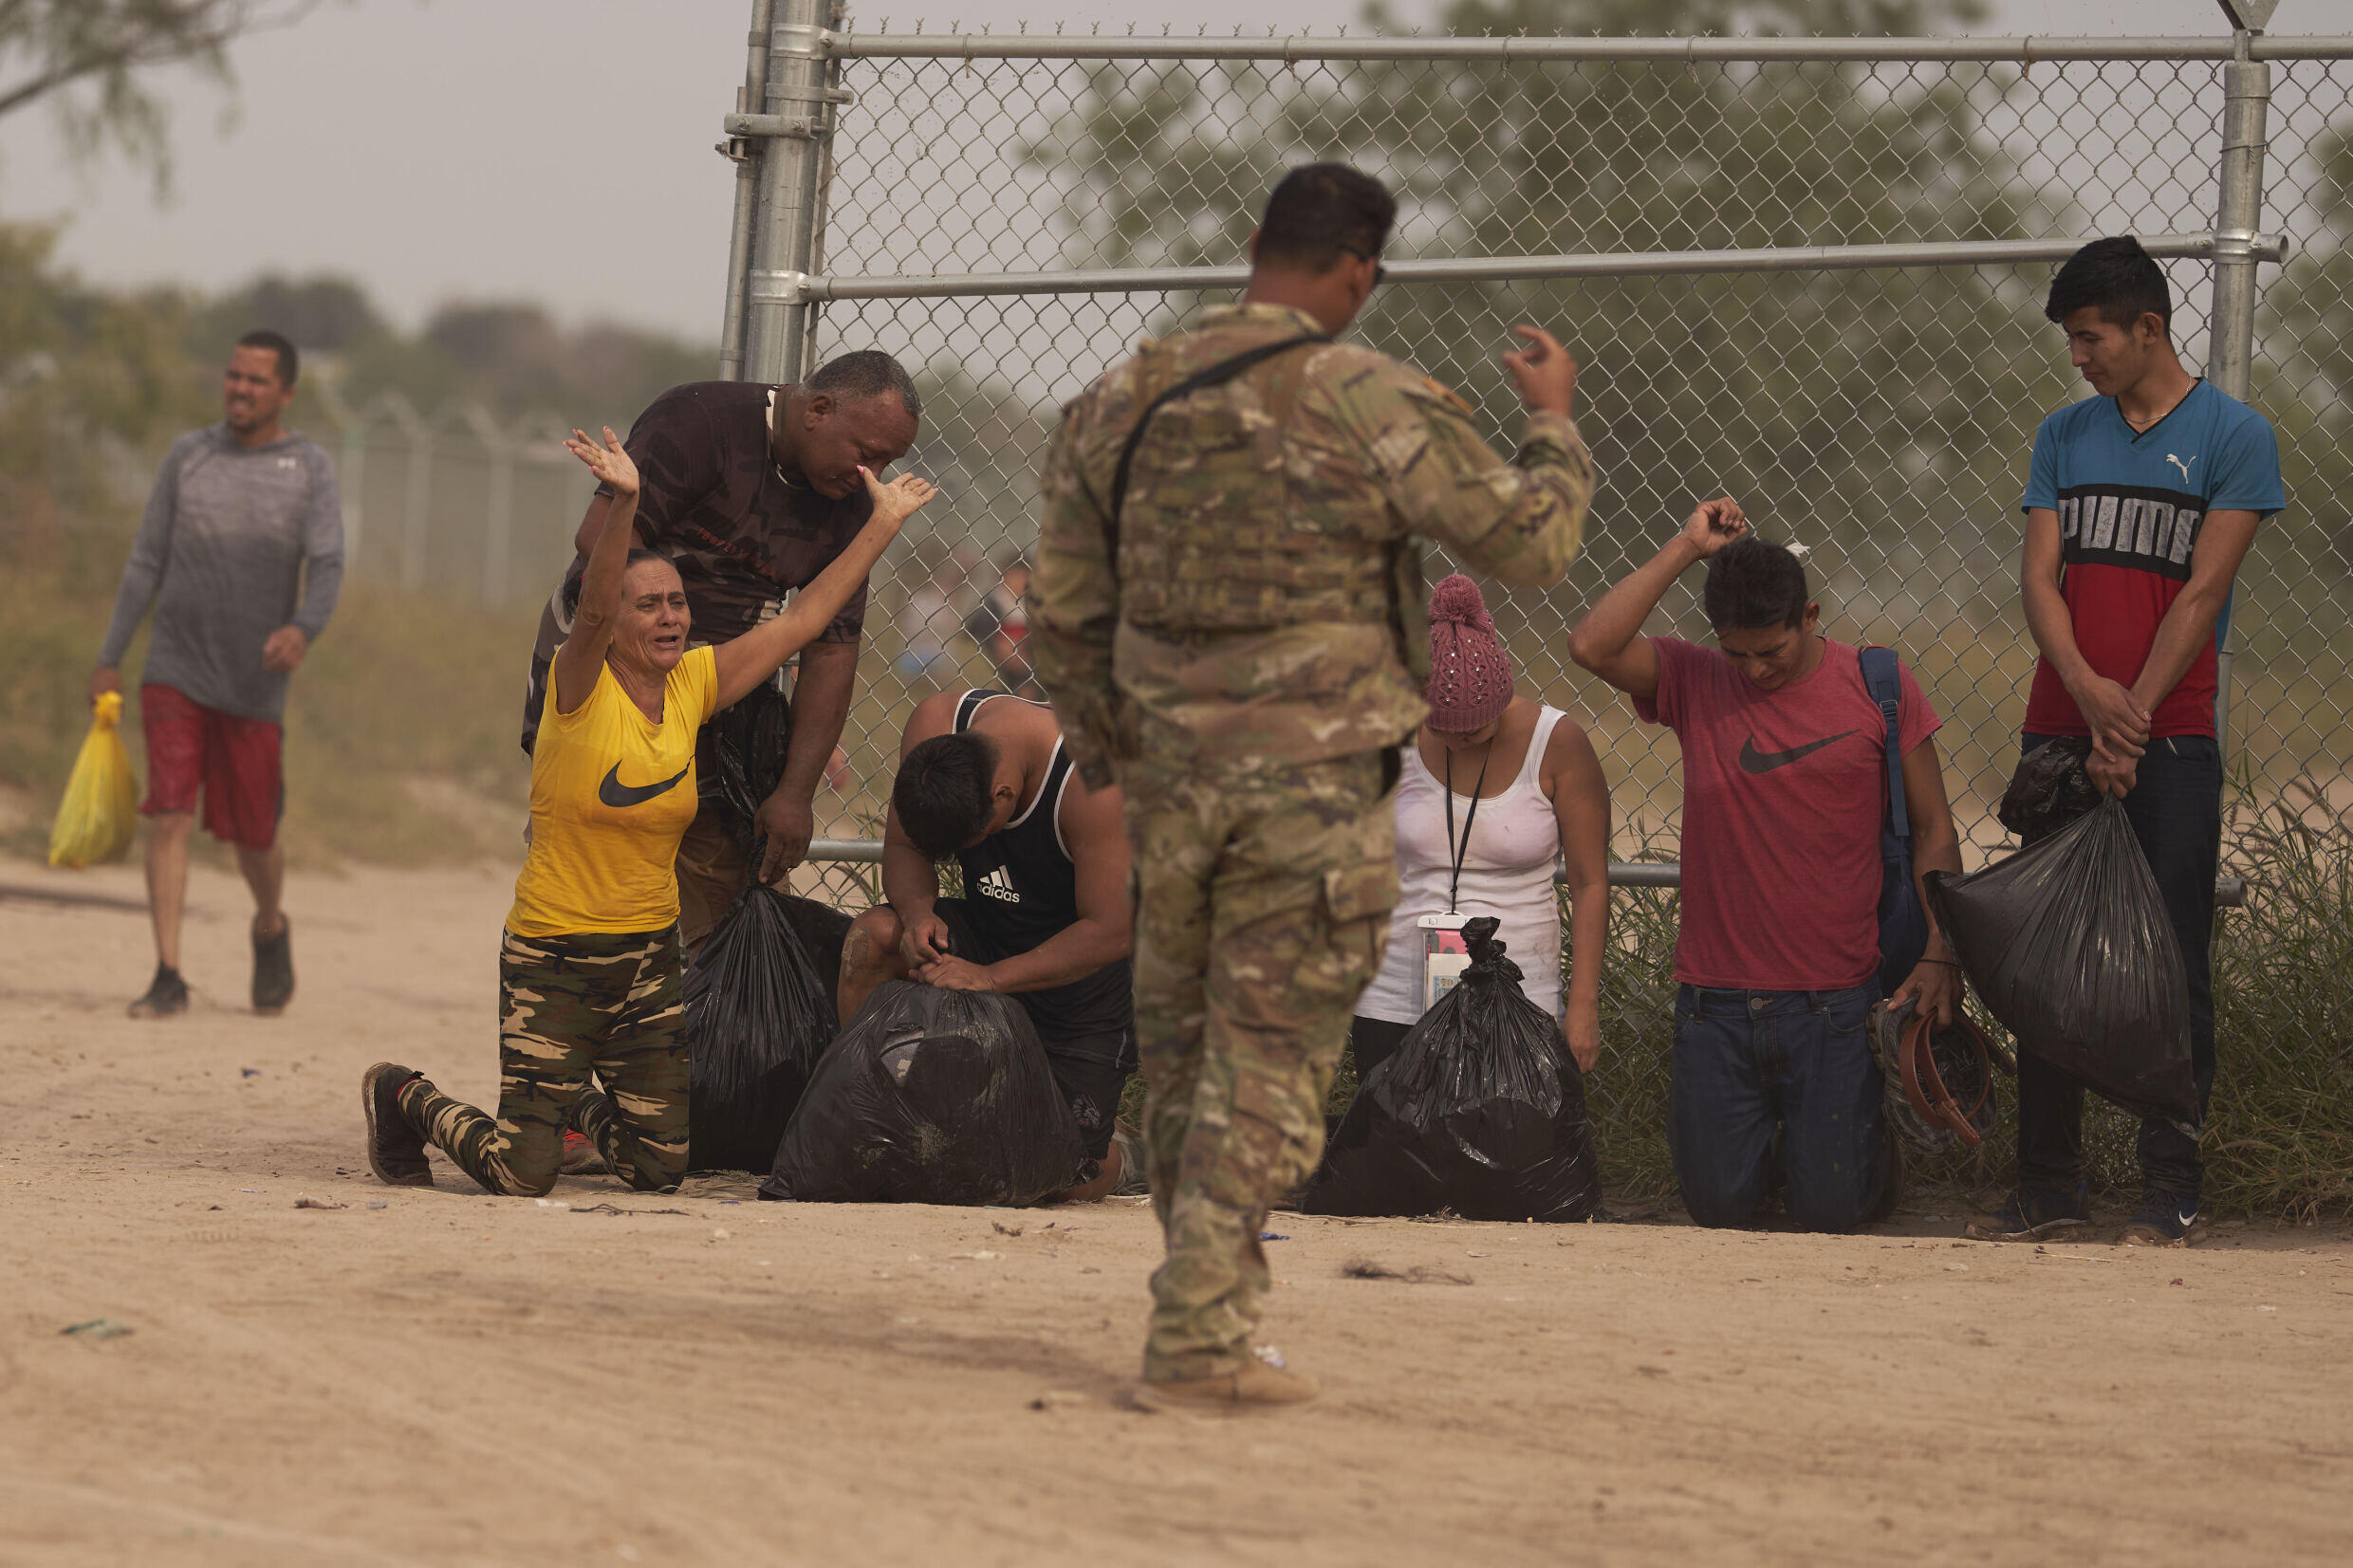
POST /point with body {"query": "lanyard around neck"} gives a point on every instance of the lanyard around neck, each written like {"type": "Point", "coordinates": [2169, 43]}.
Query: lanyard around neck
{"type": "Point", "coordinates": [1453, 885]}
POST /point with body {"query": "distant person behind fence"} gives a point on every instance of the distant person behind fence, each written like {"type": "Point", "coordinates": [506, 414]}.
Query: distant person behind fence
{"type": "Point", "coordinates": [750, 491]}
{"type": "Point", "coordinates": [241, 555]}
{"type": "Point", "coordinates": [1785, 795]}
{"type": "Point", "coordinates": [589, 966]}
{"type": "Point", "coordinates": [2141, 502]}
{"type": "Point", "coordinates": [1000, 628]}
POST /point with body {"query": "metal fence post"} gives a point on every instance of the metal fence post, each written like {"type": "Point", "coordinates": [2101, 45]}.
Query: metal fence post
{"type": "Point", "coordinates": [795, 120]}
{"type": "Point", "coordinates": [2231, 327]}
{"type": "Point", "coordinates": [746, 153]}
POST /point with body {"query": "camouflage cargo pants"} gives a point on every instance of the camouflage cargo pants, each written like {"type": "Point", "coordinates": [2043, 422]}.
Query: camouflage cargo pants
{"type": "Point", "coordinates": [592, 1002]}
{"type": "Point", "coordinates": [1263, 899]}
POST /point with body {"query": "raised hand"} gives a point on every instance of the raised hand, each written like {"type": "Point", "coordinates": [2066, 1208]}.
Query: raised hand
{"type": "Point", "coordinates": [1545, 374]}
{"type": "Point", "coordinates": [898, 500]}
{"type": "Point", "coordinates": [609, 463]}
{"type": "Point", "coordinates": [1713, 524]}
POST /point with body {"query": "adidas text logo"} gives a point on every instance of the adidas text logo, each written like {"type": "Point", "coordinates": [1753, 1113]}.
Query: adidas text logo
{"type": "Point", "coordinates": [998, 885]}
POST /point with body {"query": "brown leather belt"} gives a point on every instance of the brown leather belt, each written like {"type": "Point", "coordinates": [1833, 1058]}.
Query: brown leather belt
{"type": "Point", "coordinates": [1924, 1085]}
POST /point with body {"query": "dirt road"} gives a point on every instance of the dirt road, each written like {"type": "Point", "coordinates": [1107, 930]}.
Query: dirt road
{"type": "Point", "coordinates": [444, 1377]}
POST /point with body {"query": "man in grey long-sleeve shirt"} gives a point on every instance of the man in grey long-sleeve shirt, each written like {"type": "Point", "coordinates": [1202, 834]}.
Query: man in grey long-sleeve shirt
{"type": "Point", "coordinates": [241, 556]}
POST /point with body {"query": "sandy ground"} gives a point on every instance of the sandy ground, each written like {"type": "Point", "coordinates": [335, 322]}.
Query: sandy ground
{"type": "Point", "coordinates": [444, 1377]}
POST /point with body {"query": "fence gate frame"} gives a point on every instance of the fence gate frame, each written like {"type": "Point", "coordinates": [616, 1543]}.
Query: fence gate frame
{"type": "Point", "coordinates": [782, 137]}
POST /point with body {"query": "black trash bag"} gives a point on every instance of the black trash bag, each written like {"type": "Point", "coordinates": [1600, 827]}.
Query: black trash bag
{"type": "Point", "coordinates": [2049, 790]}
{"type": "Point", "coordinates": [748, 745]}
{"type": "Point", "coordinates": [758, 1014]}
{"type": "Point", "coordinates": [2068, 945]}
{"type": "Point", "coordinates": [931, 1096]}
{"type": "Point", "coordinates": [1480, 1110]}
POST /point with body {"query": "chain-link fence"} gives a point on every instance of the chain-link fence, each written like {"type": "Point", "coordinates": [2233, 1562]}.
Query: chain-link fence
{"type": "Point", "coordinates": [1808, 273]}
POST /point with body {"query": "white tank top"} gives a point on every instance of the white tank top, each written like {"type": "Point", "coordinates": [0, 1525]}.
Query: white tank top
{"type": "Point", "coordinates": [1506, 872]}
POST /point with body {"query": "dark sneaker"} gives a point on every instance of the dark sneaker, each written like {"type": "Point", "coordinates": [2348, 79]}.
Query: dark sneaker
{"type": "Point", "coordinates": [581, 1156]}
{"type": "Point", "coordinates": [1135, 1180]}
{"type": "Point", "coordinates": [396, 1149]}
{"type": "Point", "coordinates": [2030, 1217]}
{"type": "Point", "coordinates": [273, 969]}
{"type": "Point", "coordinates": [2163, 1220]}
{"type": "Point", "coordinates": [167, 995]}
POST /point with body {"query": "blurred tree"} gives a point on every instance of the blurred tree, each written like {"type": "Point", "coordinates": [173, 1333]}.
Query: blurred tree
{"type": "Point", "coordinates": [1887, 413]}
{"type": "Point", "coordinates": [327, 314]}
{"type": "Point", "coordinates": [54, 48]}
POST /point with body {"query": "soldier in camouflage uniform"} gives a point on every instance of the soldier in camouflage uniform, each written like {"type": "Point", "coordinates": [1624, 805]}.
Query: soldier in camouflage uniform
{"type": "Point", "coordinates": [1227, 613]}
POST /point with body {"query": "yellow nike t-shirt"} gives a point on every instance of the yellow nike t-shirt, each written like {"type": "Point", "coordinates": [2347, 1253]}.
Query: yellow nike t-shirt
{"type": "Point", "coordinates": [612, 793]}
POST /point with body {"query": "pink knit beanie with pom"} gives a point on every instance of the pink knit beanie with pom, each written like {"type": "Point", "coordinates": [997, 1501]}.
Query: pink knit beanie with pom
{"type": "Point", "coordinates": [1470, 680]}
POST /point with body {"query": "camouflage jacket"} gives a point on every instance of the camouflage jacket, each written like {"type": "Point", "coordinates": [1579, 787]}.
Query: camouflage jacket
{"type": "Point", "coordinates": [1266, 603]}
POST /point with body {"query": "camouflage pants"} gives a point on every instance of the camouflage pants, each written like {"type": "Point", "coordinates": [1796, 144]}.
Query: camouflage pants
{"type": "Point", "coordinates": [570, 1005]}
{"type": "Point", "coordinates": [1263, 899]}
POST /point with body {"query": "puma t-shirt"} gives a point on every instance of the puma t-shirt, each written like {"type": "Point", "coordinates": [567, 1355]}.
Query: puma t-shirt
{"type": "Point", "coordinates": [612, 793]}
{"type": "Point", "coordinates": [1783, 793]}
{"type": "Point", "coordinates": [2131, 505]}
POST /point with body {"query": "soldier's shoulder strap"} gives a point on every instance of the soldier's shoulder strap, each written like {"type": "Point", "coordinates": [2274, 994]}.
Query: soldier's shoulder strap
{"type": "Point", "coordinates": [1216, 375]}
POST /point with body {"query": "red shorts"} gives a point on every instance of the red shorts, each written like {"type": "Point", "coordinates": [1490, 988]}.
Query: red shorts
{"type": "Point", "coordinates": [234, 760]}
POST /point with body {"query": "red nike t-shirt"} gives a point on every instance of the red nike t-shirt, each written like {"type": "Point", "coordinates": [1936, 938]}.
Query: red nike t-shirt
{"type": "Point", "coordinates": [1784, 794]}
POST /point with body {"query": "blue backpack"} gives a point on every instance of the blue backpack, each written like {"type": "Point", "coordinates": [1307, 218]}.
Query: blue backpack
{"type": "Point", "coordinates": [1903, 924]}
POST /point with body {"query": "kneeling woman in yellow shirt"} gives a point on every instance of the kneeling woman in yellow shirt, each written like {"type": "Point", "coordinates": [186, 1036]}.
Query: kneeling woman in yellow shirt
{"type": "Point", "coordinates": [589, 971]}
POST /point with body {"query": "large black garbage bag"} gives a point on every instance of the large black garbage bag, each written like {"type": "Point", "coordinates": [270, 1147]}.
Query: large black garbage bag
{"type": "Point", "coordinates": [931, 1096]}
{"type": "Point", "coordinates": [748, 745]}
{"type": "Point", "coordinates": [758, 1014]}
{"type": "Point", "coordinates": [2068, 945]}
{"type": "Point", "coordinates": [2049, 790]}
{"type": "Point", "coordinates": [1480, 1110]}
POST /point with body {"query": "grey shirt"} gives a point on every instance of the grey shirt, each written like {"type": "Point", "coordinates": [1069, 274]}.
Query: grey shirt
{"type": "Point", "coordinates": [236, 541]}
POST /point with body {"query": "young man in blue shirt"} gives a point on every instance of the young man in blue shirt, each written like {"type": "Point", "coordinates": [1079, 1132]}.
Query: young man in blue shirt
{"type": "Point", "coordinates": [2140, 504]}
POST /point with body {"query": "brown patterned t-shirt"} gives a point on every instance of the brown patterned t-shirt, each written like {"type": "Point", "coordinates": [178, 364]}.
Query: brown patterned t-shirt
{"type": "Point", "coordinates": [712, 498]}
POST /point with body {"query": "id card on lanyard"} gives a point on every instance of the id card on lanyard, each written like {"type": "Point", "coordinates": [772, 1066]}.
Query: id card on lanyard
{"type": "Point", "coordinates": [1444, 956]}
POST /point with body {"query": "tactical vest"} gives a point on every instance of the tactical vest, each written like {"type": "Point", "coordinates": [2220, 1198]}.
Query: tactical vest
{"type": "Point", "coordinates": [1210, 540]}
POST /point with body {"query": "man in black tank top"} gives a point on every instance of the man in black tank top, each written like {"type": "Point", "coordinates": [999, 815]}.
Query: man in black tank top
{"type": "Point", "coordinates": [1045, 915]}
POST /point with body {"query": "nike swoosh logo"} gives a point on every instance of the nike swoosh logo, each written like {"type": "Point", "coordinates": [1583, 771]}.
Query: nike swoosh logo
{"type": "Point", "coordinates": [621, 796]}
{"type": "Point", "coordinates": [1753, 761]}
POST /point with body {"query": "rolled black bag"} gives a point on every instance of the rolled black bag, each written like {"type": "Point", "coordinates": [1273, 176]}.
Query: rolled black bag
{"type": "Point", "coordinates": [1480, 1110]}
{"type": "Point", "coordinates": [2068, 943]}
{"type": "Point", "coordinates": [758, 1015]}
{"type": "Point", "coordinates": [2049, 790]}
{"type": "Point", "coordinates": [931, 1096]}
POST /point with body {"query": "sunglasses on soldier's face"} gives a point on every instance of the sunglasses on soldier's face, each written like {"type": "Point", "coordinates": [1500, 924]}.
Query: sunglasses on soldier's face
{"type": "Point", "coordinates": [1380, 273]}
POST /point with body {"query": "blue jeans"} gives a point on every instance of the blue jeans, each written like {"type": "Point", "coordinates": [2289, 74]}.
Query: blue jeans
{"type": "Point", "coordinates": [2176, 810]}
{"type": "Point", "coordinates": [1762, 1077]}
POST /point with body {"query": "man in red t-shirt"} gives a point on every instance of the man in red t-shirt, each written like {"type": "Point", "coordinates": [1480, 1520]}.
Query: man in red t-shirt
{"type": "Point", "coordinates": [1785, 791]}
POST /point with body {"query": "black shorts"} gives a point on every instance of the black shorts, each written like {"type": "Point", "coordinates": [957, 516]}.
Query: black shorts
{"type": "Point", "coordinates": [1090, 1056]}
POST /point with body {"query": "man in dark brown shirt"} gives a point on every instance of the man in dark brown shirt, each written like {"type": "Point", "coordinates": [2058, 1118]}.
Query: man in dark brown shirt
{"type": "Point", "coordinates": [752, 490]}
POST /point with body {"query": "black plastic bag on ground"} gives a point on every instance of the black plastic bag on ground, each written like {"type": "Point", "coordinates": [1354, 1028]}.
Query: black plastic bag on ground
{"type": "Point", "coordinates": [2049, 790]}
{"type": "Point", "coordinates": [2068, 945]}
{"type": "Point", "coordinates": [1480, 1110]}
{"type": "Point", "coordinates": [758, 1014]}
{"type": "Point", "coordinates": [931, 1096]}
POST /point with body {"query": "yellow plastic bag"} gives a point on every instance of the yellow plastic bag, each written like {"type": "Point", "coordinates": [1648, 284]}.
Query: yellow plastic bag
{"type": "Point", "coordinates": [100, 813]}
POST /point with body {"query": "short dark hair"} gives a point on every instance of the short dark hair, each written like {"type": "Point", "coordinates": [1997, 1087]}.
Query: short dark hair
{"type": "Point", "coordinates": [866, 373]}
{"type": "Point", "coordinates": [639, 555]}
{"type": "Point", "coordinates": [289, 362]}
{"type": "Point", "coordinates": [2119, 277]}
{"type": "Point", "coordinates": [1323, 211]}
{"type": "Point", "coordinates": [1752, 583]}
{"type": "Point", "coordinates": [945, 791]}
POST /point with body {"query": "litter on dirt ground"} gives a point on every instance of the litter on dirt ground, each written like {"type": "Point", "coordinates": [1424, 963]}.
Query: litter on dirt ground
{"type": "Point", "coordinates": [96, 1328]}
{"type": "Point", "coordinates": [1366, 1268]}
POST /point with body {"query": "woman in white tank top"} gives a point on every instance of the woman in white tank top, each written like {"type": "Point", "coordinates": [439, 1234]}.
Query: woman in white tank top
{"type": "Point", "coordinates": [1527, 795]}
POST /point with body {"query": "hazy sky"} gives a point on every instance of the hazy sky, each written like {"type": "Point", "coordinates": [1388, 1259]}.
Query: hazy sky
{"type": "Point", "coordinates": [551, 150]}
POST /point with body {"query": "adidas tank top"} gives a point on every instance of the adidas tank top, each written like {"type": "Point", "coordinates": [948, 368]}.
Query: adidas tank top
{"type": "Point", "coordinates": [1021, 887]}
